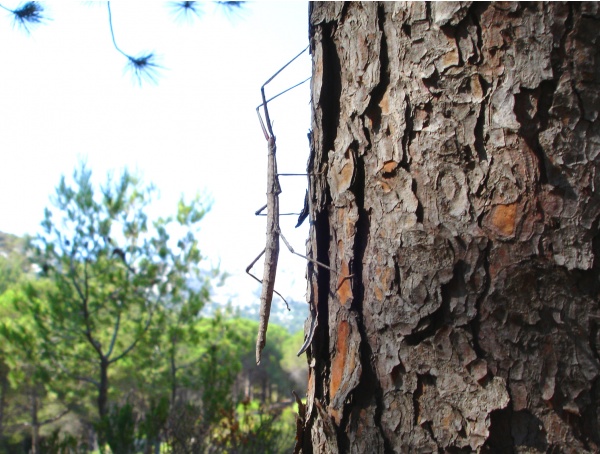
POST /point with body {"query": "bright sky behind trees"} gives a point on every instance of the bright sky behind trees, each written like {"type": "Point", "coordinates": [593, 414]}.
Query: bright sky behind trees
{"type": "Point", "coordinates": [64, 97]}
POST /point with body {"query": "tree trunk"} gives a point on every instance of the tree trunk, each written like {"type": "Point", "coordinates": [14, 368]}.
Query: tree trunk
{"type": "Point", "coordinates": [453, 176]}
{"type": "Point", "coordinates": [103, 388]}
{"type": "Point", "coordinates": [35, 425]}
{"type": "Point", "coordinates": [173, 373]}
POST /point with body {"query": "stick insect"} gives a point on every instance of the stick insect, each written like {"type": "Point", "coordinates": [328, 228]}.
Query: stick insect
{"type": "Point", "coordinates": [271, 251]}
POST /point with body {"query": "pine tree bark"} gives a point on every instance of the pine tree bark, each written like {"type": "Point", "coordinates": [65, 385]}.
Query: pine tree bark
{"type": "Point", "coordinates": [454, 173]}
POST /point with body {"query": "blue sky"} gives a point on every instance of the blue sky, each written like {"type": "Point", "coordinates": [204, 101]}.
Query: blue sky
{"type": "Point", "coordinates": [65, 97]}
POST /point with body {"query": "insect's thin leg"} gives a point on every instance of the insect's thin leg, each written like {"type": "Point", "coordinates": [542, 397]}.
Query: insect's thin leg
{"type": "Point", "coordinates": [311, 331]}
{"type": "Point", "coordinates": [249, 267]}
{"type": "Point", "coordinates": [316, 262]}
{"type": "Point", "coordinates": [280, 214]}
{"type": "Point", "coordinates": [260, 210]}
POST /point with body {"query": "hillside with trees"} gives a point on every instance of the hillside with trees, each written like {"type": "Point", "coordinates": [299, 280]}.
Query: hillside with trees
{"type": "Point", "coordinates": [103, 344]}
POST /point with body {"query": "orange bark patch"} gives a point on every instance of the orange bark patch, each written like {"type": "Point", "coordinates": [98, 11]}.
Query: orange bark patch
{"type": "Point", "coordinates": [389, 166]}
{"type": "Point", "coordinates": [384, 104]}
{"type": "Point", "coordinates": [504, 218]}
{"type": "Point", "coordinates": [344, 287]}
{"type": "Point", "coordinates": [339, 361]}
{"type": "Point", "coordinates": [378, 293]}
{"type": "Point", "coordinates": [385, 188]}
{"type": "Point", "coordinates": [447, 420]}
{"type": "Point", "coordinates": [311, 382]}
{"type": "Point", "coordinates": [310, 392]}
{"type": "Point", "coordinates": [346, 173]}
{"type": "Point", "coordinates": [385, 277]}
{"type": "Point", "coordinates": [380, 287]}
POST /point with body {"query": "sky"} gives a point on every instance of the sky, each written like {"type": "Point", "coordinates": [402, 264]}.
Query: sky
{"type": "Point", "coordinates": [64, 98]}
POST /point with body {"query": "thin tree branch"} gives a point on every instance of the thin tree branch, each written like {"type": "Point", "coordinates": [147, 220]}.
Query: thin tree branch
{"type": "Point", "coordinates": [86, 314]}
{"type": "Point", "coordinates": [77, 377]}
{"type": "Point", "coordinates": [114, 336]}
{"type": "Point", "coordinates": [86, 280]}
{"type": "Point", "coordinates": [54, 418]}
{"type": "Point", "coordinates": [40, 424]}
{"type": "Point", "coordinates": [134, 343]}
{"type": "Point", "coordinates": [112, 32]}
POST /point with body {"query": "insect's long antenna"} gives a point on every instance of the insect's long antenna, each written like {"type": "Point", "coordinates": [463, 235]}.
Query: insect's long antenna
{"type": "Point", "coordinates": [283, 67]}
{"type": "Point", "coordinates": [284, 91]}
{"type": "Point", "coordinates": [268, 131]}
{"type": "Point", "coordinates": [262, 125]}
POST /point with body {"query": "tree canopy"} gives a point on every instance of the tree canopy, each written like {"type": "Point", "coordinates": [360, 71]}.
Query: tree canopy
{"type": "Point", "coordinates": [103, 332]}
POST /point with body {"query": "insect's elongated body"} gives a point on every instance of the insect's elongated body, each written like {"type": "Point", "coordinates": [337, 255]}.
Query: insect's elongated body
{"type": "Point", "coordinates": [271, 249]}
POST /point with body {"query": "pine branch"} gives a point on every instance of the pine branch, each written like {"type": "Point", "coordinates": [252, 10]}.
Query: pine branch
{"type": "Point", "coordinates": [186, 11]}
{"type": "Point", "coordinates": [27, 15]}
{"type": "Point", "coordinates": [143, 66]}
{"type": "Point", "coordinates": [232, 9]}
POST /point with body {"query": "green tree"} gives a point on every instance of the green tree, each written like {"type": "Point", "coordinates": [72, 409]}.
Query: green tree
{"type": "Point", "coordinates": [13, 265]}
{"type": "Point", "coordinates": [114, 271]}
{"type": "Point", "coordinates": [38, 396]}
{"type": "Point", "coordinates": [182, 333]}
{"type": "Point", "coordinates": [294, 365]}
{"type": "Point", "coordinates": [218, 366]}
{"type": "Point", "coordinates": [13, 268]}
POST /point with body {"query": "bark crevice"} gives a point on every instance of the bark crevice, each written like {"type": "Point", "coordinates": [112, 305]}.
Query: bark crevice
{"type": "Point", "coordinates": [331, 97]}
{"type": "Point", "coordinates": [475, 325]}
{"type": "Point", "coordinates": [322, 334]}
{"type": "Point", "coordinates": [374, 110]}
{"type": "Point", "coordinates": [407, 136]}
{"type": "Point", "coordinates": [475, 12]}
{"type": "Point", "coordinates": [479, 130]}
{"type": "Point", "coordinates": [500, 438]}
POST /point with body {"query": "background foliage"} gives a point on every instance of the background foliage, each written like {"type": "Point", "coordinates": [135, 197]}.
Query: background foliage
{"type": "Point", "coordinates": [105, 343]}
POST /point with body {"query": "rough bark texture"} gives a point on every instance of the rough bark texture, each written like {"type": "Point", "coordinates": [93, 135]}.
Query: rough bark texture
{"type": "Point", "coordinates": [454, 163]}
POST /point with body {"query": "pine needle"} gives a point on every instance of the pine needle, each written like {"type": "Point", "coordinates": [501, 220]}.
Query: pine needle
{"type": "Point", "coordinates": [27, 15]}
{"type": "Point", "coordinates": [186, 12]}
